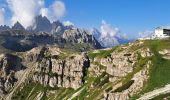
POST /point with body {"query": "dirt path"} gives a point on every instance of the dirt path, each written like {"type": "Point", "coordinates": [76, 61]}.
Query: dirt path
{"type": "Point", "coordinates": [155, 93]}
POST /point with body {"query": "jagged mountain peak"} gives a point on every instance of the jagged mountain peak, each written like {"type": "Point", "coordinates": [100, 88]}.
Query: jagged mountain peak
{"type": "Point", "coordinates": [18, 26]}
{"type": "Point", "coordinates": [42, 24]}
{"type": "Point", "coordinates": [42, 18]}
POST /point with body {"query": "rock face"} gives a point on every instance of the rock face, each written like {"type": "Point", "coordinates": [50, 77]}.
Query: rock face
{"type": "Point", "coordinates": [58, 28]}
{"type": "Point", "coordinates": [77, 35]}
{"type": "Point", "coordinates": [42, 24]}
{"type": "Point", "coordinates": [120, 64]}
{"type": "Point", "coordinates": [146, 52]}
{"type": "Point", "coordinates": [138, 79]}
{"type": "Point", "coordinates": [9, 65]}
{"type": "Point", "coordinates": [165, 53]}
{"type": "Point", "coordinates": [53, 71]}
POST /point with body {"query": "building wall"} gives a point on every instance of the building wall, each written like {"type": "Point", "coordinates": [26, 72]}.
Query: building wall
{"type": "Point", "coordinates": [159, 33]}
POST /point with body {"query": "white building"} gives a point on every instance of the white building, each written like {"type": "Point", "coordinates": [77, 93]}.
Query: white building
{"type": "Point", "coordinates": [161, 33]}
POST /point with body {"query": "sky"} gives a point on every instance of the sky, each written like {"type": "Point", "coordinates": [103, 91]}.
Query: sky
{"type": "Point", "coordinates": [131, 17]}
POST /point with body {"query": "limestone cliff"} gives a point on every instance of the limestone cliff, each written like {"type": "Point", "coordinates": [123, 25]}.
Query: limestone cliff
{"type": "Point", "coordinates": [67, 72]}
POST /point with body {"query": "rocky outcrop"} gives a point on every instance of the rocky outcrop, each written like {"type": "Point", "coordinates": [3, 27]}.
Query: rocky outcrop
{"type": "Point", "coordinates": [165, 53]}
{"type": "Point", "coordinates": [139, 79]}
{"type": "Point", "coordinates": [119, 64]}
{"type": "Point", "coordinates": [9, 65]}
{"type": "Point", "coordinates": [53, 71]}
{"type": "Point", "coordinates": [146, 52]}
{"type": "Point", "coordinates": [95, 70]}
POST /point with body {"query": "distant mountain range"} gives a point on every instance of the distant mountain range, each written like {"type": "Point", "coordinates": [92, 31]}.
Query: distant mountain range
{"type": "Point", "coordinates": [108, 40]}
{"type": "Point", "coordinates": [44, 32]}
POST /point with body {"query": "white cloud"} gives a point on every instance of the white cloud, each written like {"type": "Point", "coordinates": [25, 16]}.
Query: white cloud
{"type": "Point", "coordinates": [44, 12]}
{"type": "Point", "coordinates": [109, 35]}
{"type": "Point", "coordinates": [24, 11]}
{"type": "Point", "coordinates": [58, 8]}
{"type": "Point", "coordinates": [108, 30]}
{"type": "Point", "coordinates": [68, 23]}
{"type": "Point", "coordinates": [2, 18]}
{"type": "Point", "coordinates": [54, 11]}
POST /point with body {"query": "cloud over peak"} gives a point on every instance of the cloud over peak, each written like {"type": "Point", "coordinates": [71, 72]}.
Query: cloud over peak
{"type": "Point", "coordinates": [108, 35]}
{"type": "Point", "coordinates": [58, 9]}
{"type": "Point", "coordinates": [108, 30]}
{"type": "Point", "coordinates": [25, 11]}
{"type": "Point", "coordinates": [54, 11]}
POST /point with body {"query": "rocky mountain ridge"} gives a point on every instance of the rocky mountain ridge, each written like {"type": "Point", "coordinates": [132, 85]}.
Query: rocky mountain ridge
{"type": "Point", "coordinates": [43, 32]}
{"type": "Point", "coordinates": [57, 29]}
{"type": "Point", "coordinates": [23, 41]}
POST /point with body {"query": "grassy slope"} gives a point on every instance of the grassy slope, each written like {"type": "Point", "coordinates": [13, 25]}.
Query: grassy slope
{"type": "Point", "coordinates": [160, 71]}
{"type": "Point", "coordinates": [159, 75]}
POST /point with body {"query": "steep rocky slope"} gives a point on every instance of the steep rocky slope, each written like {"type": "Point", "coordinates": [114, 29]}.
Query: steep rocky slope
{"type": "Point", "coordinates": [124, 72]}
{"type": "Point", "coordinates": [9, 65]}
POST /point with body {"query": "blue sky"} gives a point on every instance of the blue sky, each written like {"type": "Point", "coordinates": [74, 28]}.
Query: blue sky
{"type": "Point", "coordinates": [130, 16]}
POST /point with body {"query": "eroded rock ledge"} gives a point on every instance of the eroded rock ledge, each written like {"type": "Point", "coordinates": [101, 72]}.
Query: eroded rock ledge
{"type": "Point", "coordinates": [61, 72]}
